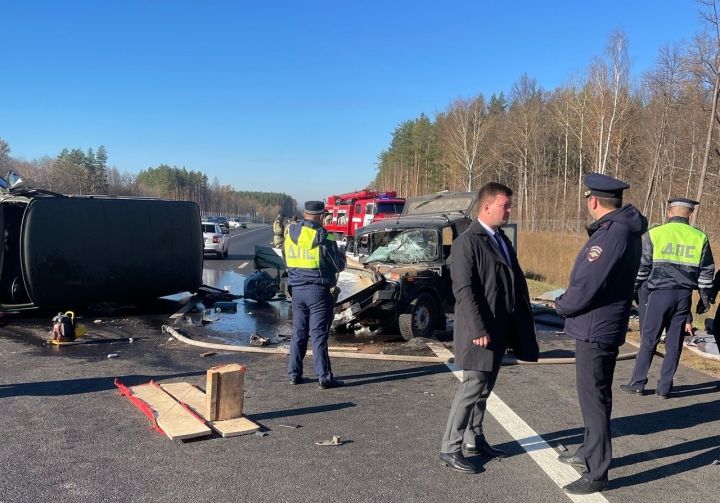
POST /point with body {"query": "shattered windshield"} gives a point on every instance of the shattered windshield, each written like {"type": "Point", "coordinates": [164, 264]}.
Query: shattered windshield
{"type": "Point", "coordinates": [409, 247]}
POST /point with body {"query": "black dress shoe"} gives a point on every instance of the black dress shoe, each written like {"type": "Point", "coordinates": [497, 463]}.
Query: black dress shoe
{"type": "Point", "coordinates": [331, 384]}
{"type": "Point", "coordinates": [296, 380]}
{"type": "Point", "coordinates": [457, 461]}
{"type": "Point", "coordinates": [585, 486]}
{"type": "Point", "coordinates": [484, 449]}
{"type": "Point", "coordinates": [572, 459]}
{"type": "Point", "coordinates": [634, 391]}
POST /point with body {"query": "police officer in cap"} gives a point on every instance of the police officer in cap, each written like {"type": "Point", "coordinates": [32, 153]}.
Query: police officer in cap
{"type": "Point", "coordinates": [676, 259]}
{"type": "Point", "coordinates": [313, 261]}
{"type": "Point", "coordinates": [596, 306]}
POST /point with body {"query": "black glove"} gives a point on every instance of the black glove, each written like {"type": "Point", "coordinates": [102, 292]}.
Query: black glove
{"type": "Point", "coordinates": [703, 305]}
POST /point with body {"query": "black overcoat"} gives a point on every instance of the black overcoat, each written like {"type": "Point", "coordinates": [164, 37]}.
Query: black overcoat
{"type": "Point", "coordinates": [485, 287]}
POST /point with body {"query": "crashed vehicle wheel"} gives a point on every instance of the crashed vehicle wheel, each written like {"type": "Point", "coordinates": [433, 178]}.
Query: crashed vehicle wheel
{"type": "Point", "coordinates": [420, 320]}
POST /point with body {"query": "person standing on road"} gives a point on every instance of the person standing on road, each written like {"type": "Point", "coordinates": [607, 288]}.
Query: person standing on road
{"type": "Point", "coordinates": [313, 261]}
{"type": "Point", "coordinates": [596, 306]}
{"type": "Point", "coordinates": [676, 259]}
{"type": "Point", "coordinates": [278, 230]}
{"type": "Point", "coordinates": [492, 312]}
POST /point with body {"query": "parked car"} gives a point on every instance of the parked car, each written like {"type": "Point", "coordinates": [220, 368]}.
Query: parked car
{"type": "Point", "coordinates": [61, 251]}
{"type": "Point", "coordinates": [243, 225]}
{"type": "Point", "coordinates": [406, 260]}
{"type": "Point", "coordinates": [215, 238]}
{"type": "Point", "coordinates": [234, 223]}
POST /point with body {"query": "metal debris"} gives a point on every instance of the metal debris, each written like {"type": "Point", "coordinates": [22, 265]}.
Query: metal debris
{"type": "Point", "coordinates": [334, 441]}
{"type": "Point", "coordinates": [258, 340]}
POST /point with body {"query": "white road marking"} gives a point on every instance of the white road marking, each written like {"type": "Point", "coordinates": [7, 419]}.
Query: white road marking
{"type": "Point", "coordinates": [536, 447]}
{"type": "Point", "coordinates": [243, 265]}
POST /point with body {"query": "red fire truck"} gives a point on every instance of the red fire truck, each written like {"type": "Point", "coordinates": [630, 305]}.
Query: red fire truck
{"type": "Point", "coordinates": [348, 212]}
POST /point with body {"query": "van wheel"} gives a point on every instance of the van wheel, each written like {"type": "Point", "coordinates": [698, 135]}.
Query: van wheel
{"type": "Point", "coordinates": [420, 320]}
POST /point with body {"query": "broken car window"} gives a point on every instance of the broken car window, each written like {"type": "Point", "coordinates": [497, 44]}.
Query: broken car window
{"type": "Point", "coordinates": [409, 247]}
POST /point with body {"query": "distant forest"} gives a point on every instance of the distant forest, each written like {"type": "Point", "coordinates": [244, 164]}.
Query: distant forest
{"type": "Point", "coordinates": [658, 131]}
{"type": "Point", "coordinates": [87, 172]}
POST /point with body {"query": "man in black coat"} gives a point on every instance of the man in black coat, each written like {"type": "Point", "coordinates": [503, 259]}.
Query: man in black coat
{"type": "Point", "coordinates": [492, 313]}
{"type": "Point", "coordinates": [596, 305]}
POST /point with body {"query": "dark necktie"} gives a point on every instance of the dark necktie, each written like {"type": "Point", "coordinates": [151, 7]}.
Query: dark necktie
{"type": "Point", "coordinates": [499, 242]}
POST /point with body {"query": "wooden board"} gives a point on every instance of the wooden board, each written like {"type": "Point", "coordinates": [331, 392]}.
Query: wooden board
{"type": "Point", "coordinates": [225, 391]}
{"type": "Point", "coordinates": [195, 399]}
{"type": "Point", "coordinates": [175, 421]}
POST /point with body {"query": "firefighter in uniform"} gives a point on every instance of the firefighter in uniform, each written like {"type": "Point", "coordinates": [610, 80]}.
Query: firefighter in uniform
{"type": "Point", "coordinates": [676, 259]}
{"type": "Point", "coordinates": [278, 230]}
{"type": "Point", "coordinates": [596, 306]}
{"type": "Point", "coordinates": [313, 261]}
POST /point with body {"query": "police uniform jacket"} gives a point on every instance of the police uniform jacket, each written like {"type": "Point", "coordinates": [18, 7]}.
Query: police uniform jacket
{"type": "Point", "coordinates": [597, 301]}
{"type": "Point", "coordinates": [491, 298]}
{"type": "Point", "coordinates": [311, 255]}
{"type": "Point", "coordinates": [676, 255]}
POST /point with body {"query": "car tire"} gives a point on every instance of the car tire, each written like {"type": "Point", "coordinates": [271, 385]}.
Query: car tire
{"type": "Point", "coordinates": [218, 255]}
{"type": "Point", "coordinates": [421, 318]}
{"type": "Point", "coordinates": [227, 252]}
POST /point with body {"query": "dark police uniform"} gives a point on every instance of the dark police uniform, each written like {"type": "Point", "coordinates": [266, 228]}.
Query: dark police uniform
{"type": "Point", "coordinates": [313, 261]}
{"type": "Point", "coordinates": [676, 259]}
{"type": "Point", "coordinates": [596, 306]}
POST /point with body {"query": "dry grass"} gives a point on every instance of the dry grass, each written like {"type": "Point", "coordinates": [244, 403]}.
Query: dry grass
{"type": "Point", "coordinates": [548, 257]}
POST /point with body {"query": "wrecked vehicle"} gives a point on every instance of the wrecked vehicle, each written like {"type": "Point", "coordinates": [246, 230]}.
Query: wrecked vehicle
{"type": "Point", "coordinates": [62, 251]}
{"type": "Point", "coordinates": [408, 259]}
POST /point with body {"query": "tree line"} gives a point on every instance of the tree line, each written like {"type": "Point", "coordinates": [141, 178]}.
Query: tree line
{"type": "Point", "coordinates": [78, 172]}
{"type": "Point", "coordinates": [659, 132]}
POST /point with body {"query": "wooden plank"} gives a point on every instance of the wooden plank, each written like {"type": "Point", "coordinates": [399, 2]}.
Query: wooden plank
{"type": "Point", "coordinates": [175, 421]}
{"type": "Point", "coordinates": [225, 391]}
{"type": "Point", "coordinates": [195, 399]}
{"type": "Point", "coordinates": [187, 307]}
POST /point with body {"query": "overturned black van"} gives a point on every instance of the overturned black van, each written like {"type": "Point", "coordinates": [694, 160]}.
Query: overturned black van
{"type": "Point", "coordinates": [67, 251]}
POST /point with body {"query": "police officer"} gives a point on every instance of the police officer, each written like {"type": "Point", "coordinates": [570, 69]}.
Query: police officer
{"type": "Point", "coordinates": [596, 306]}
{"type": "Point", "coordinates": [676, 259]}
{"type": "Point", "coordinates": [313, 261]}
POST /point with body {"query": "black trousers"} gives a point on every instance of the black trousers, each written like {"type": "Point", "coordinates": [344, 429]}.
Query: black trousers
{"type": "Point", "coordinates": [594, 368]}
{"type": "Point", "coordinates": [660, 310]}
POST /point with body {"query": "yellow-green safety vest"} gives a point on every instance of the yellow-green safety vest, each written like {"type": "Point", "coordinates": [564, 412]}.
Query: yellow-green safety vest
{"type": "Point", "coordinates": [677, 243]}
{"type": "Point", "coordinates": [306, 253]}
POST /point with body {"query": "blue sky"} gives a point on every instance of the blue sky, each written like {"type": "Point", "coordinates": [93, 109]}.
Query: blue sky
{"type": "Point", "coordinates": [286, 96]}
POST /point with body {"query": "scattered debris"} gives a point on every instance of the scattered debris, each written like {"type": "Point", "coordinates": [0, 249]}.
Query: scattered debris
{"type": "Point", "coordinates": [258, 340]}
{"type": "Point", "coordinates": [131, 340]}
{"type": "Point", "coordinates": [715, 462]}
{"type": "Point", "coordinates": [170, 338]}
{"type": "Point", "coordinates": [293, 426]}
{"type": "Point", "coordinates": [97, 321]}
{"type": "Point", "coordinates": [261, 433]}
{"type": "Point", "coordinates": [209, 353]}
{"type": "Point", "coordinates": [113, 355]}
{"type": "Point", "coordinates": [225, 306]}
{"type": "Point", "coordinates": [561, 447]}
{"type": "Point", "coordinates": [334, 441]}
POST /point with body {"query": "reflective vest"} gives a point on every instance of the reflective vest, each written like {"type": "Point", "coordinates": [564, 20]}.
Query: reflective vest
{"type": "Point", "coordinates": [305, 254]}
{"type": "Point", "coordinates": [677, 243]}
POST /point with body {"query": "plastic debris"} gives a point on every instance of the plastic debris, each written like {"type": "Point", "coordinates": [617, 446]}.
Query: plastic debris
{"type": "Point", "coordinates": [113, 355]}
{"type": "Point", "coordinates": [261, 433]}
{"type": "Point", "coordinates": [561, 447]}
{"type": "Point", "coordinates": [716, 462]}
{"type": "Point", "coordinates": [258, 340]}
{"type": "Point", "coordinates": [332, 442]}
{"type": "Point", "coordinates": [131, 340]}
{"type": "Point", "coordinates": [209, 353]}
{"type": "Point", "coordinates": [293, 426]}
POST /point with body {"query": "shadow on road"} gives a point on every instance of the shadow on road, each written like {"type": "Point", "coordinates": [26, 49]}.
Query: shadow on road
{"type": "Point", "coordinates": [80, 386]}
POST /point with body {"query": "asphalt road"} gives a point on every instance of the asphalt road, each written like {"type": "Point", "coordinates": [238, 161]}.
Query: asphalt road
{"type": "Point", "coordinates": [69, 436]}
